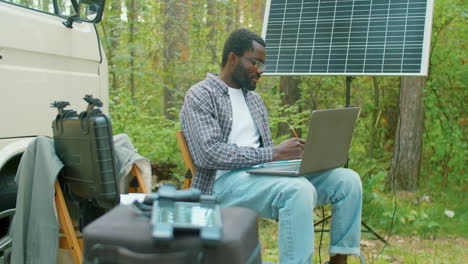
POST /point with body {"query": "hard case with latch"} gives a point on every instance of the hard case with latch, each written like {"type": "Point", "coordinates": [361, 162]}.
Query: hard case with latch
{"type": "Point", "coordinates": [84, 143]}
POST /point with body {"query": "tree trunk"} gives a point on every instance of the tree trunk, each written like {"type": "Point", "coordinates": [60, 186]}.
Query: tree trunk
{"type": "Point", "coordinates": [45, 6]}
{"type": "Point", "coordinates": [111, 31]}
{"type": "Point", "coordinates": [404, 173]}
{"type": "Point", "coordinates": [132, 20]}
{"type": "Point", "coordinates": [389, 92]}
{"type": "Point", "coordinates": [175, 44]}
{"type": "Point", "coordinates": [289, 87]}
{"type": "Point", "coordinates": [211, 25]}
{"type": "Point", "coordinates": [232, 16]}
{"type": "Point", "coordinates": [257, 8]}
{"type": "Point", "coordinates": [375, 116]}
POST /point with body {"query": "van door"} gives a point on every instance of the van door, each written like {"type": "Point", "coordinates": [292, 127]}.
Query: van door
{"type": "Point", "coordinates": [42, 60]}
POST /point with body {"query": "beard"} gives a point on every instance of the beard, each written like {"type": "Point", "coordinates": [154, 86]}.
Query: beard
{"type": "Point", "coordinates": [241, 77]}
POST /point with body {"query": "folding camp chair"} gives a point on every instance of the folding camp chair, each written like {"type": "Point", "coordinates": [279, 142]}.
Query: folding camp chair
{"type": "Point", "coordinates": [69, 240]}
{"type": "Point", "coordinates": [188, 161]}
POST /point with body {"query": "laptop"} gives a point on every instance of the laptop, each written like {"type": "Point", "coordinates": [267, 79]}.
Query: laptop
{"type": "Point", "coordinates": [326, 147]}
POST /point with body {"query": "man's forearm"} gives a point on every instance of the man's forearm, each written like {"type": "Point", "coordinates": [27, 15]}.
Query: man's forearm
{"type": "Point", "coordinates": [224, 156]}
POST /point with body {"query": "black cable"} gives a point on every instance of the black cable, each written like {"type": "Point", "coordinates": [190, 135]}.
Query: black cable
{"type": "Point", "coordinates": [321, 235]}
{"type": "Point", "coordinates": [391, 223]}
{"type": "Point", "coordinates": [395, 204]}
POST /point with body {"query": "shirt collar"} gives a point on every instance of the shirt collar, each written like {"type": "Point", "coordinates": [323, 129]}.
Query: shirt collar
{"type": "Point", "coordinates": [220, 85]}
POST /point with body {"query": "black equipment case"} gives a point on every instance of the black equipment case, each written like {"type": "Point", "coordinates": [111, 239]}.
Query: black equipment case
{"type": "Point", "coordinates": [84, 143]}
{"type": "Point", "coordinates": [124, 235]}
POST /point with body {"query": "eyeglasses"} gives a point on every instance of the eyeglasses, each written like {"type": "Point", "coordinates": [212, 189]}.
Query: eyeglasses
{"type": "Point", "coordinates": [258, 64]}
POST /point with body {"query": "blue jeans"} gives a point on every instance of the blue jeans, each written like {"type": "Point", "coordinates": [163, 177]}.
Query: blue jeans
{"type": "Point", "coordinates": [291, 201]}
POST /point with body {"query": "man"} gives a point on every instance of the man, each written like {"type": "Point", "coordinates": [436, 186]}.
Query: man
{"type": "Point", "coordinates": [226, 127]}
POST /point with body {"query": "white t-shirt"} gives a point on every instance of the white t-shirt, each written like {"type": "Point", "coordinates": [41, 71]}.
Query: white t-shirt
{"type": "Point", "coordinates": [244, 132]}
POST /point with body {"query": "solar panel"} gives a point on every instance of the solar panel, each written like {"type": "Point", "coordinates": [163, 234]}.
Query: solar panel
{"type": "Point", "coordinates": [342, 37]}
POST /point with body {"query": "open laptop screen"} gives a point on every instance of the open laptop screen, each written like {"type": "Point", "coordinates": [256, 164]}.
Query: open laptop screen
{"type": "Point", "coordinates": [327, 144]}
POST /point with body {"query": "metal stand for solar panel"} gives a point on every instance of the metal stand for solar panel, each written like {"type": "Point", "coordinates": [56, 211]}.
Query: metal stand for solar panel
{"type": "Point", "coordinates": [323, 220]}
{"type": "Point", "coordinates": [348, 104]}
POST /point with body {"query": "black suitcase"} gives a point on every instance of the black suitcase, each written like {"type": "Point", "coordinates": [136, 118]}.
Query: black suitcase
{"type": "Point", "coordinates": [124, 235]}
{"type": "Point", "coordinates": [84, 143]}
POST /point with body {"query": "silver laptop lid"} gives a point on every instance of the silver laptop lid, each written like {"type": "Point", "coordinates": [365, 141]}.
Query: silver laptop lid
{"type": "Point", "coordinates": [328, 139]}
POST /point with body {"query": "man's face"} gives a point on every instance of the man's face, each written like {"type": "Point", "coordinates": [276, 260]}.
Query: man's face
{"type": "Point", "coordinates": [246, 73]}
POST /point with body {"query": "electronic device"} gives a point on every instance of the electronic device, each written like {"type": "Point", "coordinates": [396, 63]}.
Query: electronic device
{"type": "Point", "coordinates": [185, 210]}
{"type": "Point", "coordinates": [326, 147]}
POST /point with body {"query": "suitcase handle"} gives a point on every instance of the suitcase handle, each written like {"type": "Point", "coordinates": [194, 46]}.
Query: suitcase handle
{"type": "Point", "coordinates": [62, 114]}
{"type": "Point", "coordinates": [92, 102]}
{"type": "Point", "coordinates": [90, 112]}
{"type": "Point", "coordinates": [114, 254]}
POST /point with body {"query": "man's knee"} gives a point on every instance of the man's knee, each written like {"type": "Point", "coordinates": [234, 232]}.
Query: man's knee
{"type": "Point", "coordinates": [350, 180]}
{"type": "Point", "coordinates": [302, 191]}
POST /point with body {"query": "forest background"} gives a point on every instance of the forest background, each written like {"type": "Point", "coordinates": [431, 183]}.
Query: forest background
{"type": "Point", "coordinates": [157, 50]}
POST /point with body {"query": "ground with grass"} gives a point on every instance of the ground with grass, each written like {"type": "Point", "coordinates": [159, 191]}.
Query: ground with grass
{"type": "Point", "coordinates": [401, 249]}
{"type": "Point", "coordinates": [413, 250]}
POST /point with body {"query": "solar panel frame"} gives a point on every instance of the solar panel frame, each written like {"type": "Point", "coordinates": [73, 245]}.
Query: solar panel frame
{"type": "Point", "coordinates": [393, 57]}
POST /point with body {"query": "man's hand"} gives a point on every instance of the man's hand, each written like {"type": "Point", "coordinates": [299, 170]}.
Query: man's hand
{"type": "Point", "coordinates": [292, 148]}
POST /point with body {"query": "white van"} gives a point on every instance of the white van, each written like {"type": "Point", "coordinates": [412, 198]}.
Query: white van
{"type": "Point", "coordinates": [49, 50]}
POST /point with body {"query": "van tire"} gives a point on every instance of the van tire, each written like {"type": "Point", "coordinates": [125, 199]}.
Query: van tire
{"type": "Point", "coordinates": [8, 191]}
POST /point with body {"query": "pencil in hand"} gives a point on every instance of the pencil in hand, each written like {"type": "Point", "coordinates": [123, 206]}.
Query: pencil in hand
{"type": "Point", "coordinates": [294, 131]}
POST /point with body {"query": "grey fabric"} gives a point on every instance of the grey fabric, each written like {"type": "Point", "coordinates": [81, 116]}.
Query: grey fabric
{"type": "Point", "coordinates": [126, 155]}
{"type": "Point", "coordinates": [35, 228]}
{"type": "Point", "coordinates": [206, 120]}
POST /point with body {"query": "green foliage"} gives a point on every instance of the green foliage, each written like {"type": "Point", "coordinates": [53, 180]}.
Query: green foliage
{"type": "Point", "coordinates": [151, 133]}
{"type": "Point", "coordinates": [445, 145]}
{"type": "Point", "coordinates": [420, 214]}
{"type": "Point", "coordinates": [424, 214]}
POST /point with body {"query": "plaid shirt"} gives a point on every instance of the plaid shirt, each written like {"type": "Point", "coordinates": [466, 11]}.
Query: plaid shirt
{"type": "Point", "coordinates": [206, 120]}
